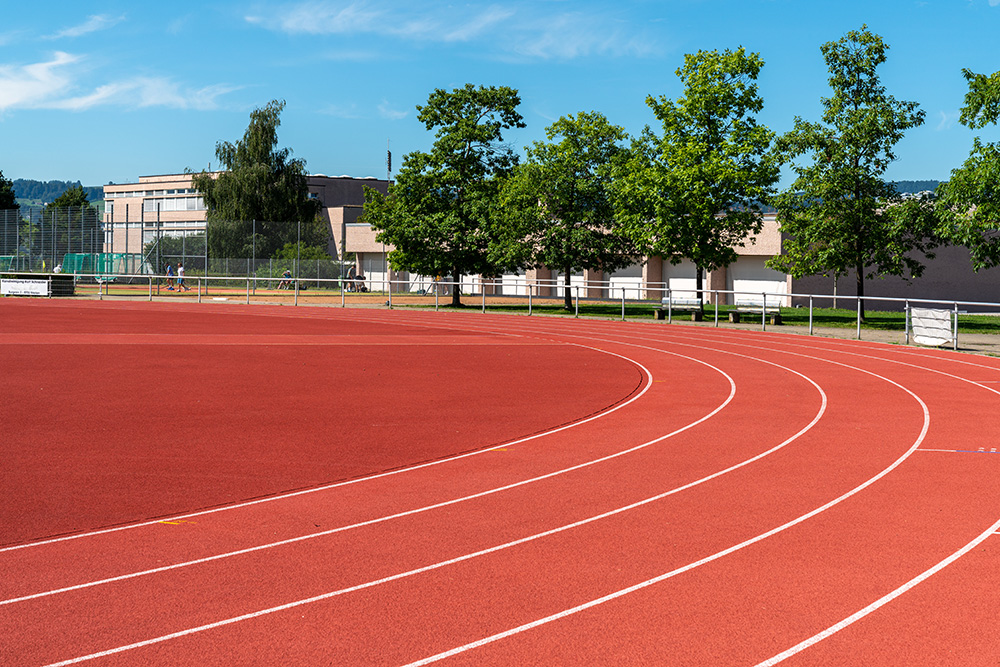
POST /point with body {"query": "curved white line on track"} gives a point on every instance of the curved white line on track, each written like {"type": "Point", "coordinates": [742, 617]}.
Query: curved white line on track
{"type": "Point", "coordinates": [882, 601]}
{"type": "Point", "coordinates": [483, 552]}
{"type": "Point", "coordinates": [368, 478]}
{"type": "Point", "coordinates": [708, 559]}
{"type": "Point", "coordinates": [427, 508]}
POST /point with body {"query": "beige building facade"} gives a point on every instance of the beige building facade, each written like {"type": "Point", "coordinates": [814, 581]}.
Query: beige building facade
{"type": "Point", "coordinates": [168, 205]}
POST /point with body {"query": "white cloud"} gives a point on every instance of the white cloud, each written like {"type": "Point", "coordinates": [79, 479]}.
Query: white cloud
{"type": "Point", "coordinates": [947, 119]}
{"type": "Point", "coordinates": [93, 24]}
{"type": "Point", "coordinates": [391, 114]}
{"type": "Point", "coordinates": [35, 84]}
{"type": "Point", "coordinates": [145, 92]}
{"type": "Point", "coordinates": [523, 30]}
{"type": "Point", "coordinates": [53, 85]}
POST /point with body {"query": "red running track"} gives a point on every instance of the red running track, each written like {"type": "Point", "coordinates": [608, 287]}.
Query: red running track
{"type": "Point", "coordinates": [539, 491]}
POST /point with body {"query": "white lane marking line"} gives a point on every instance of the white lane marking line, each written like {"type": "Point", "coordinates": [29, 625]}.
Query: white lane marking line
{"type": "Point", "coordinates": [207, 559]}
{"type": "Point", "coordinates": [691, 566]}
{"type": "Point", "coordinates": [419, 510]}
{"type": "Point", "coordinates": [469, 556]}
{"type": "Point", "coordinates": [882, 601]}
{"type": "Point", "coordinates": [359, 480]}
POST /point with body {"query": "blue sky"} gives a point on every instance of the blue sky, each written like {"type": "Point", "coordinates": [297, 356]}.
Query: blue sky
{"type": "Point", "coordinates": [109, 91]}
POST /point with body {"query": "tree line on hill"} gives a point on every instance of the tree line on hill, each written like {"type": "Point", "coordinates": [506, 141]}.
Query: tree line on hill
{"type": "Point", "coordinates": [46, 192]}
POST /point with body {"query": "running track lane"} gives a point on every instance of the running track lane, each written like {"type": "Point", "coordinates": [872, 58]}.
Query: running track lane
{"type": "Point", "coordinates": [498, 590]}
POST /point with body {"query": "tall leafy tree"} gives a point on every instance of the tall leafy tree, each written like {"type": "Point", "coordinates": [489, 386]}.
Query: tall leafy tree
{"type": "Point", "coordinates": [840, 214]}
{"type": "Point", "coordinates": [10, 218]}
{"type": "Point", "coordinates": [969, 203]}
{"type": "Point", "coordinates": [73, 223]}
{"type": "Point", "coordinates": [262, 188]}
{"type": "Point", "coordinates": [8, 199]}
{"type": "Point", "coordinates": [697, 190]}
{"type": "Point", "coordinates": [557, 205]}
{"type": "Point", "coordinates": [440, 214]}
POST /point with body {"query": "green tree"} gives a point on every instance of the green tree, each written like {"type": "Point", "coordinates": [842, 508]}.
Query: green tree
{"type": "Point", "coordinates": [440, 214]}
{"type": "Point", "coordinates": [697, 191]}
{"type": "Point", "coordinates": [840, 214]}
{"type": "Point", "coordinates": [73, 224]}
{"type": "Point", "coordinates": [73, 197]}
{"type": "Point", "coordinates": [557, 205]}
{"type": "Point", "coordinates": [969, 203]}
{"type": "Point", "coordinates": [310, 252]}
{"type": "Point", "coordinates": [7, 198]}
{"type": "Point", "coordinates": [256, 204]}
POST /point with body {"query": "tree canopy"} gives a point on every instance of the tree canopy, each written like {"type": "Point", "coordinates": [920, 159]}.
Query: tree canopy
{"type": "Point", "coordinates": [71, 198]}
{"type": "Point", "coordinates": [557, 205]}
{"type": "Point", "coordinates": [969, 203]}
{"type": "Point", "coordinates": [7, 198]}
{"type": "Point", "coordinates": [440, 213]}
{"type": "Point", "coordinates": [697, 190]}
{"type": "Point", "coordinates": [840, 214]}
{"type": "Point", "coordinates": [256, 204]}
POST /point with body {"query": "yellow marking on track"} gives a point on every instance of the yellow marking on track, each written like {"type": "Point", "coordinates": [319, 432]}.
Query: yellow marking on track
{"type": "Point", "coordinates": [499, 449]}
{"type": "Point", "coordinates": [174, 523]}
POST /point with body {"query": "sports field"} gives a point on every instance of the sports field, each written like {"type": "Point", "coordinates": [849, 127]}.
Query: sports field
{"type": "Point", "coordinates": [229, 484]}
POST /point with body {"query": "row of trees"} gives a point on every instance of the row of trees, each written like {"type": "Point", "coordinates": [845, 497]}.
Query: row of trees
{"type": "Point", "coordinates": [591, 198]}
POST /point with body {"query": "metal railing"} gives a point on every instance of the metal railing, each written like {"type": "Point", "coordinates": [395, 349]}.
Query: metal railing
{"type": "Point", "coordinates": [397, 293]}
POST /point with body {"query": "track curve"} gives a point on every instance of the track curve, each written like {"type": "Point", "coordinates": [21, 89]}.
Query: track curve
{"type": "Point", "coordinates": [764, 498]}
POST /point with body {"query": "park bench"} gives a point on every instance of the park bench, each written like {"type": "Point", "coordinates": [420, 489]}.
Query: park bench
{"type": "Point", "coordinates": [672, 304]}
{"type": "Point", "coordinates": [768, 309]}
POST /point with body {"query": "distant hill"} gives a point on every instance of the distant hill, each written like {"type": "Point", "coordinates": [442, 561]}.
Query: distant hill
{"type": "Point", "coordinates": [916, 186]}
{"type": "Point", "coordinates": [45, 192]}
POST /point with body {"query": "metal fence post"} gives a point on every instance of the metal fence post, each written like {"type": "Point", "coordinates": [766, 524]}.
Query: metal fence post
{"type": "Point", "coordinates": [810, 315]}
{"type": "Point", "coordinates": [763, 311]}
{"type": "Point", "coordinates": [954, 337]}
{"type": "Point", "coordinates": [906, 322]}
{"type": "Point", "coordinates": [577, 291]}
{"type": "Point", "coordinates": [670, 303]}
{"type": "Point", "coordinates": [623, 304]}
{"type": "Point", "coordinates": [859, 318]}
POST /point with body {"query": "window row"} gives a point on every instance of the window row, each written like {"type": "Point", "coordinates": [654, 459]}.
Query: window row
{"type": "Point", "coordinates": [173, 204]}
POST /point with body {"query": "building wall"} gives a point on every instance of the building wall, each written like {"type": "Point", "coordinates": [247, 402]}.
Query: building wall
{"type": "Point", "coordinates": [949, 276]}
{"type": "Point", "coordinates": [168, 205]}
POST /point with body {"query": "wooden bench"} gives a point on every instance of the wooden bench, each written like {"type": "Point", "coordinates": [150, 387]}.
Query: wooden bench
{"type": "Point", "coordinates": [769, 309]}
{"type": "Point", "coordinates": [672, 305]}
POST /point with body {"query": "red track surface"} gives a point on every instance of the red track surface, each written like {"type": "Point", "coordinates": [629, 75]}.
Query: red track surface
{"type": "Point", "coordinates": [487, 490]}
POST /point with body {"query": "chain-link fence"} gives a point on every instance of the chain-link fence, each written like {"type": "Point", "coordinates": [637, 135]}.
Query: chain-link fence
{"type": "Point", "coordinates": [315, 273]}
{"type": "Point", "coordinates": [36, 238]}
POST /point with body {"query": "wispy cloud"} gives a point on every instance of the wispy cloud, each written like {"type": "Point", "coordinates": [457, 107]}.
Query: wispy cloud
{"type": "Point", "coordinates": [145, 92]}
{"type": "Point", "coordinates": [947, 119]}
{"type": "Point", "coordinates": [54, 85]}
{"type": "Point", "coordinates": [521, 30]}
{"type": "Point", "coordinates": [34, 84]}
{"type": "Point", "coordinates": [94, 23]}
{"type": "Point", "coordinates": [385, 111]}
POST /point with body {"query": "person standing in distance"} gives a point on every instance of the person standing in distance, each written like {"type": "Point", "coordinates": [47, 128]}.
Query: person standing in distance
{"type": "Point", "coordinates": [181, 287]}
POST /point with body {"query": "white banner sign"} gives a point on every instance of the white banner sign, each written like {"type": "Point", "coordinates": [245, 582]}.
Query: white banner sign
{"type": "Point", "coordinates": [931, 326]}
{"type": "Point", "coordinates": [22, 287]}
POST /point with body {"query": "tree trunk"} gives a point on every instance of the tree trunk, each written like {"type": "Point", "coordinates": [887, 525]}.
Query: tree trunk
{"type": "Point", "coordinates": [699, 283]}
{"type": "Point", "coordinates": [567, 297]}
{"type": "Point", "coordinates": [456, 293]}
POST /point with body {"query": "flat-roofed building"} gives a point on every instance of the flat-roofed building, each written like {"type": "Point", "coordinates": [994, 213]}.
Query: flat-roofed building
{"type": "Point", "coordinates": [168, 205]}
